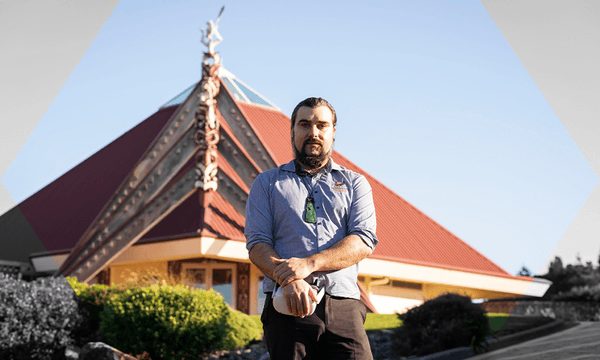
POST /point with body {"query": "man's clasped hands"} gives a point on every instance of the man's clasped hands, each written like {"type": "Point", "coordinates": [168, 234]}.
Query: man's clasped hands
{"type": "Point", "coordinates": [294, 275]}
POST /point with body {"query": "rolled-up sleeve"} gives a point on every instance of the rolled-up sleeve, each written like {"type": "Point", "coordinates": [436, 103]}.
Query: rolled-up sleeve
{"type": "Point", "coordinates": [259, 219]}
{"type": "Point", "coordinates": [361, 219]}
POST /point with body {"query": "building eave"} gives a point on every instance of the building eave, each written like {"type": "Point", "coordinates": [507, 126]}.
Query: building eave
{"type": "Point", "coordinates": [509, 285]}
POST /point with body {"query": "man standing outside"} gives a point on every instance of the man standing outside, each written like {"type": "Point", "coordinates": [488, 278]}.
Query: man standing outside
{"type": "Point", "coordinates": [309, 222]}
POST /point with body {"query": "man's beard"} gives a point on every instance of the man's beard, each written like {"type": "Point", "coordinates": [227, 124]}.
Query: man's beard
{"type": "Point", "coordinates": [311, 161]}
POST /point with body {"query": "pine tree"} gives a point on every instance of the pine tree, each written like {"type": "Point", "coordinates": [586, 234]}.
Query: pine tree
{"type": "Point", "coordinates": [525, 272]}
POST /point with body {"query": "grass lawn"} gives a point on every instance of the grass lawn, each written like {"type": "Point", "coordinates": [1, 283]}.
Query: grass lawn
{"type": "Point", "coordinates": [382, 321]}
{"type": "Point", "coordinates": [497, 320]}
{"type": "Point", "coordinates": [387, 321]}
{"type": "Point", "coordinates": [373, 322]}
{"type": "Point", "coordinates": [391, 321]}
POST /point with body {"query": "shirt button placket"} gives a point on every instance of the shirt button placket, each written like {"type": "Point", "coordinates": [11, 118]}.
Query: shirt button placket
{"type": "Point", "coordinates": [318, 220]}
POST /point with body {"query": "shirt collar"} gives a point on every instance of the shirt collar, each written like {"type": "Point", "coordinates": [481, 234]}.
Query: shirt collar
{"type": "Point", "coordinates": [291, 166]}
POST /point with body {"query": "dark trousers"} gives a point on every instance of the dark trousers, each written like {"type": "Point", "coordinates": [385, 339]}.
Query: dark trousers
{"type": "Point", "coordinates": [335, 331]}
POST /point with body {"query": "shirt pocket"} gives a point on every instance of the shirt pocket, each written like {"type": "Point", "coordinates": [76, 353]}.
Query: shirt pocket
{"type": "Point", "coordinates": [336, 211]}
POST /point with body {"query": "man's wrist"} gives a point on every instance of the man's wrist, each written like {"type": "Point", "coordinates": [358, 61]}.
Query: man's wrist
{"type": "Point", "coordinates": [291, 282]}
{"type": "Point", "coordinates": [314, 262]}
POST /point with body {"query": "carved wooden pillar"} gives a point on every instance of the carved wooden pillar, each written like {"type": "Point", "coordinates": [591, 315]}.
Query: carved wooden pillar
{"type": "Point", "coordinates": [207, 129]}
{"type": "Point", "coordinates": [174, 269]}
{"type": "Point", "coordinates": [104, 276]}
{"type": "Point", "coordinates": [243, 287]}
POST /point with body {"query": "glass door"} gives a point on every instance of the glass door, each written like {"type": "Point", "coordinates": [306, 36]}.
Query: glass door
{"type": "Point", "coordinates": [261, 296]}
{"type": "Point", "coordinates": [217, 276]}
{"type": "Point", "coordinates": [222, 282]}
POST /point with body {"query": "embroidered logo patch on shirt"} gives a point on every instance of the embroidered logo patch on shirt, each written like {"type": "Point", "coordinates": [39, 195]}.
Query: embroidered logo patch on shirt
{"type": "Point", "coordinates": [339, 186]}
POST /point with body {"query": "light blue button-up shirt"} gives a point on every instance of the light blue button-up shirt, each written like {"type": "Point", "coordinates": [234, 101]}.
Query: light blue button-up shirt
{"type": "Point", "coordinates": [343, 202]}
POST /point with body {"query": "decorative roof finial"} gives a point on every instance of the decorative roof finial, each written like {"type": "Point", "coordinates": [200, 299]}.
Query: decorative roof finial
{"type": "Point", "coordinates": [207, 123]}
{"type": "Point", "coordinates": [212, 30]}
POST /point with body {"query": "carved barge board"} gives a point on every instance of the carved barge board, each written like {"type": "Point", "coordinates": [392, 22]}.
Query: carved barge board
{"type": "Point", "coordinates": [99, 255]}
{"type": "Point", "coordinates": [246, 170]}
{"type": "Point", "coordinates": [243, 131]}
{"type": "Point", "coordinates": [169, 152]}
{"type": "Point", "coordinates": [149, 188]}
{"type": "Point", "coordinates": [232, 193]}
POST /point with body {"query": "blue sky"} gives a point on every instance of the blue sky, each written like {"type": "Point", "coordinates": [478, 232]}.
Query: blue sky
{"type": "Point", "coordinates": [430, 97]}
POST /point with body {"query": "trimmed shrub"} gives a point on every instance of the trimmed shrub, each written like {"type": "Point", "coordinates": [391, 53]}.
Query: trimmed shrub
{"type": "Point", "coordinates": [91, 303]}
{"type": "Point", "coordinates": [580, 293]}
{"type": "Point", "coordinates": [240, 329]}
{"type": "Point", "coordinates": [172, 322]}
{"type": "Point", "coordinates": [443, 323]}
{"type": "Point", "coordinates": [36, 318]}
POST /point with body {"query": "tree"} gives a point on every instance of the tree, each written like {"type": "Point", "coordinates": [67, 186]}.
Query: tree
{"type": "Point", "coordinates": [556, 266]}
{"type": "Point", "coordinates": [573, 275]}
{"type": "Point", "coordinates": [524, 272]}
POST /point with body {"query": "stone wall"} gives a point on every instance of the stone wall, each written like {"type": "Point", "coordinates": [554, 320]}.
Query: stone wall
{"type": "Point", "coordinates": [561, 310]}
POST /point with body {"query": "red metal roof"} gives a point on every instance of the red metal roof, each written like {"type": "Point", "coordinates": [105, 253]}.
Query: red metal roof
{"type": "Point", "coordinates": [273, 128]}
{"type": "Point", "coordinates": [408, 235]}
{"type": "Point", "coordinates": [61, 212]}
{"type": "Point", "coordinates": [405, 234]}
{"type": "Point", "coordinates": [223, 220]}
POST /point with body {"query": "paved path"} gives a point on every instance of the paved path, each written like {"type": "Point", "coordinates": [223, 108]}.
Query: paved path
{"type": "Point", "coordinates": [579, 342]}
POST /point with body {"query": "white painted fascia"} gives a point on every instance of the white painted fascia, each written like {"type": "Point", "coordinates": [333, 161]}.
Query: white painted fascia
{"type": "Point", "coordinates": [428, 274]}
{"type": "Point", "coordinates": [185, 248]}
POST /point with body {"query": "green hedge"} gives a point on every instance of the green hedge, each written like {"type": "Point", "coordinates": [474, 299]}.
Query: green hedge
{"type": "Point", "coordinates": [164, 321]}
{"type": "Point", "coordinates": [91, 303]}
{"type": "Point", "coordinates": [241, 330]}
{"type": "Point", "coordinates": [173, 322]}
{"type": "Point", "coordinates": [37, 318]}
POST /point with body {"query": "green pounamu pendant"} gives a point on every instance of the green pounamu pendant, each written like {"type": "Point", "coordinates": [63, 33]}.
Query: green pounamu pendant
{"type": "Point", "coordinates": [310, 215]}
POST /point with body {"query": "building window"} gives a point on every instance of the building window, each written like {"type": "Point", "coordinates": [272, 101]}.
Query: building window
{"type": "Point", "coordinates": [217, 276]}
{"type": "Point", "coordinates": [196, 278]}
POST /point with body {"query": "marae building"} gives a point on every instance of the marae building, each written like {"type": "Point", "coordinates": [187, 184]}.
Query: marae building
{"type": "Point", "coordinates": [167, 198]}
